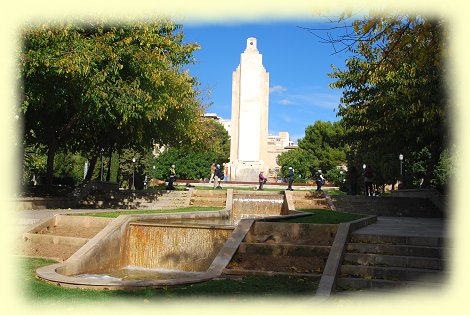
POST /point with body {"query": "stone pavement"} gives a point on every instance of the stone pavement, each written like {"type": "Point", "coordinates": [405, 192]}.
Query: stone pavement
{"type": "Point", "coordinates": [406, 226]}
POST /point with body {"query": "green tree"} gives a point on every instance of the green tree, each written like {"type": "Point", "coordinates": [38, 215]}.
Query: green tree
{"type": "Point", "coordinates": [323, 141]}
{"type": "Point", "coordinates": [88, 88]}
{"type": "Point", "coordinates": [300, 160]}
{"type": "Point", "coordinates": [193, 160]}
{"type": "Point", "coordinates": [394, 98]}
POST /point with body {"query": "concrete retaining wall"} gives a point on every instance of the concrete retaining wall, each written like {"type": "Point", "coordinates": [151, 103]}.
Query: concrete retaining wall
{"type": "Point", "coordinates": [433, 195]}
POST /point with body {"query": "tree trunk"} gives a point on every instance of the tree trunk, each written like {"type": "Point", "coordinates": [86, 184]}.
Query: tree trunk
{"type": "Point", "coordinates": [52, 149]}
{"type": "Point", "coordinates": [108, 174]}
{"type": "Point", "coordinates": [91, 168]}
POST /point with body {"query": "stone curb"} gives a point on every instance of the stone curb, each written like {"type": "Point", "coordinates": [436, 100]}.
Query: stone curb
{"type": "Point", "coordinates": [333, 264]}
{"type": "Point", "coordinates": [269, 273]}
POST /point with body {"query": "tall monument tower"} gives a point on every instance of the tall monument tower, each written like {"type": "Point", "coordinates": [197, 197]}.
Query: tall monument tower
{"type": "Point", "coordinates": [250, 100]}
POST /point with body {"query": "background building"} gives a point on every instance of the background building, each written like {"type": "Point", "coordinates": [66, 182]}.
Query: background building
{"type": "Point", "coordinates": [277, 144]}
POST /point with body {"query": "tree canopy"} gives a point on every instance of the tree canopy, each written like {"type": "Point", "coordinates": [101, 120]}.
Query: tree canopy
{"type": "Point", "coordinates": [394, 98]}
{"type": "Point", "coordinates": [194, 161]}
{"type": "Point", "coordinates": [98, 87]}
{"type": "Point", "coordinates": [322, 148]}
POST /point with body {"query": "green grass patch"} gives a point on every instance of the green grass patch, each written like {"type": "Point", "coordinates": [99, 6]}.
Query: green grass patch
{"type": "Point", "coordinates": [115, 214]}
{"type": "Point", "coordinates": [335, 192]}
{"type": "Point", "coordinates": [248, 287]}
{"type": "Point", "coordinates": [225, 187]}
{"type": "Point", "coordinates": [322, 216]}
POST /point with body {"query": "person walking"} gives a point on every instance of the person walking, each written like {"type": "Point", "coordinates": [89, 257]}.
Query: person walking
{"type": "Point", "coordinates": [171, 178]}
{"type": "Point", "coordinates": [218, 176]}
{"type": "Point", "coordinates": [319, 180]}
{"type": "Point", "coordinates": [368, 176]}
{"type": "Point", "coordinates": [291, 178]}
{"type": "Point", "coordinates": [352, 178]}
{"type": "Point", "coordinates": [213, 167]}
{"type": "Point", "coordinates": [262, 180]}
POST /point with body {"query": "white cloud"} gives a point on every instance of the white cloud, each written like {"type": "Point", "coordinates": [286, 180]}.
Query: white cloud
{"type": "Point", "coordinates": [277, 89]}
{"type": "Point", "coordinates": [285, 101]}
{"type": "Point", "coordinates": [287, 119]}
{"type": "Point", "coordinates": [311, 98]}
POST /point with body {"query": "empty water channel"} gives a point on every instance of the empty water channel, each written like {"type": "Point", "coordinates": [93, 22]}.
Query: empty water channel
{"type": "Point", "coordinates": [159, 250]}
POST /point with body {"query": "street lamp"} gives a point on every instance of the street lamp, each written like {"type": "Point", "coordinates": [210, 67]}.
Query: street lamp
{"type": "Point", "coordinates": [400, 157]}
{"type": "Point", "coordinates": [101, 170]}
{"type": "Point", "coordinates": [133, 173]}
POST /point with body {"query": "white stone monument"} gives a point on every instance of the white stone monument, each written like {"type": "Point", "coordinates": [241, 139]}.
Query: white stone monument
{"type": "Point", "coordinates": [250, 100]}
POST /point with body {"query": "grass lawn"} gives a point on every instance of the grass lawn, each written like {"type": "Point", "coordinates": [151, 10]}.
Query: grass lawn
{"type": "Point", "coordinates": [249, 287]}
{"type": "Point", "coordinates": [227, 186]}
{"type": "Point", "coordinates": [115, 214]}
{"type": "Point", "coordinates": [322, 216]}
{"type": "Point", "coordinates": [335, 192]}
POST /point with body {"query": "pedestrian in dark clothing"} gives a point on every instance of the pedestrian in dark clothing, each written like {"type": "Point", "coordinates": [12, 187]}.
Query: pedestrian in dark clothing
{"type": "Point", "coordinates": [171, 178]}
{"type": "Point", "coordinates": [352, 177]}
{"type": "Point", "coordinates": [319, 180]}
{"type": "Point", "coordinates": [219, 175]}
{"type": "Point", "coordinates": [262, 180]}
{"type": "Point", "coordinates": [291, 178]}
{"type": "Point", "coordinates": [368, 176]}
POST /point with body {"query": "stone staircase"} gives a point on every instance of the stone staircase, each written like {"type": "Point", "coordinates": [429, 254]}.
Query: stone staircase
{"type": "Point", "coordinates": [387, 206]}
{"type": "Point", "coordinates": [283, 248]}
{"type": "Point", "coordinates": [385, 262]}
{"type": "Point", "coordinates": [144, 199]}
{"type": "Point", "coordinates": [309, 199]}
{"type": "Point", "coordinates": [58, 237]}
{"type": "Point", "coordinates": [214, 198]}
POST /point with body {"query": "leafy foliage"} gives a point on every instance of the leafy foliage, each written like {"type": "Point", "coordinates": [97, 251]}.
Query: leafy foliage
{"type": "Point", "coordinates": [194, 161]}
{"type": "Point", "coordinates": [299, 160]}
{"type": "Point", "coordinates": [324, 143]}
{"type": "Point", "coordinates": [394, 98]}
{"type": "Point", "coordinates": [321, 148]}
{"type": "Point", "coordinates": [88, 87]}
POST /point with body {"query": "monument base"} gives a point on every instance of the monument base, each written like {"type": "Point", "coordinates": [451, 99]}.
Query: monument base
{"type": "Point", "coordinates": [246, 171]}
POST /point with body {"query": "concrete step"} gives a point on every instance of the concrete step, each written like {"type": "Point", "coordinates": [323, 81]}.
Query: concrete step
{"type": "Point", "coordinates": [393, 261]}
{"type": "Point", "coordinates": [390, 249]}
{"type": "Point", "coordinates": [354, 284]}
{"type": "Point", "coordinates": [398, 240]}
{"type": "Point", "coordinates": [268, 263]}
{"type": "Point", "coordinates": [390, 273]}
{"type": "Point", "coordinates": [270, 273]}
{"type": "Point", "coordinates": [314, 233]}
{"type": "Point", "coordinates": [387, 206]}
{"type": "Point", "coordinates": [55, 239]}
{"type": "Point", "coordinates": [284, 250]}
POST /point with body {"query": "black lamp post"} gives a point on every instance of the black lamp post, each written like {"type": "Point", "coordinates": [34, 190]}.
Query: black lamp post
{"type": "Point", "coordinates": [400, 157]}
{"type": "Point", "coordinates": [101, 170]}
{"type": "Point", "coordinates": [133, 174]}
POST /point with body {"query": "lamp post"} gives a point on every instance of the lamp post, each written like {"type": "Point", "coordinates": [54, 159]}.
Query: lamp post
{"type": "Point", "coordinates": [133, 173]}
{"type": "Point", "coordinates": [101, 170]}
{"type": "Point", "coordinates": [400, 157]}
{"type": "Point", "coordinates": [363, 172]}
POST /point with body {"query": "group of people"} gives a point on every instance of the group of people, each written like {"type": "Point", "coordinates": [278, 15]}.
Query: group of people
{"type": "Point", "coordinates": [319, 179]}
{"type": "Point", "coordinates": [217, 175]}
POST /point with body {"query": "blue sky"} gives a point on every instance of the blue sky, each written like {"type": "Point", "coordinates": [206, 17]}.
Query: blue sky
{"type": "Point", "coordinates": [297, 62]}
